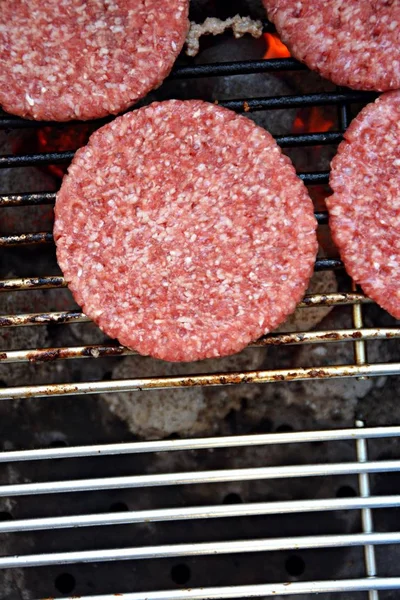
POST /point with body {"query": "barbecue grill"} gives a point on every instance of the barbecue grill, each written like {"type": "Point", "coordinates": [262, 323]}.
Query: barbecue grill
{"type": "Point", "coordinates": [231, 516]}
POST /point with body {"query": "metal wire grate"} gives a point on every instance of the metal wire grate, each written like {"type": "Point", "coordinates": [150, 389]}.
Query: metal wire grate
{"type": "Point", "coordinates": [362, 467]}
{"type": "Point", "coordinates": [358, 334]}
{"type": "Point", "coordinates": [373, 580]}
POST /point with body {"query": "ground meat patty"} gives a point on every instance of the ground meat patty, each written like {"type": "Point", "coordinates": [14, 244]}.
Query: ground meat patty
{"type": "Point", "coordinates": [351, 42]}
{"type": "Point", "coordinates": [83, 59]}
{"type": "Point", "coordinates": [184, 232]}
{"type": "Point", "coordinates": [365, 207]}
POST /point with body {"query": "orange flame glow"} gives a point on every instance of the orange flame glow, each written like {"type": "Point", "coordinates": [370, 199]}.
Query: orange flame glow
{"type": "Point", "coordinates": [311, 120]}
{"type": "Point", "coordinates": [275, 48]}
{"type": "Point", "coordinates": [69, 137]}
{"type": "Point", "coordinates": [307, 120]}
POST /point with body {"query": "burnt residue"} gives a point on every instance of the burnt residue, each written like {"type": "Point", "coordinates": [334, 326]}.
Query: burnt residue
{"type": "Point", "coordinates": [6, 322]}
{"type": "Point", "coordinates": [391, 335]}
{"type": "Point", "coordinates": [323, 300]}
{"type": "Point", "coordinates": [63, 317]}
{"type": "Point", "coordinates": [103, 351]}
{"type": "Point", "coordinates": [59, 389]}
{"type": "Point", "coordinates": [32, 283]}
{"type": "Point", "coordinates": [27, 199]}
{"type": "Point", "coordinates": [25, 239]}
{"type": "Point", "coordinates": [50, 354]}
{"type": "Point", "coordinates": [281, 339]}
{"type": "Point", "coordinates": [329, 373]}
{"type": "Point", "coordinates": [317, 373]}
{"type": "Point", "coordinates": [332, 335]}
{"type": "Point", "coordinates": [205, 380]}
{"type": "Point", "coordinates": [278, 377]}
{"type": "Point", "coordinates": [334, 299]}
{"type": "Point", "coordinates": [44, 355]}
{"type": "Point", "coordinates": [42, 318]}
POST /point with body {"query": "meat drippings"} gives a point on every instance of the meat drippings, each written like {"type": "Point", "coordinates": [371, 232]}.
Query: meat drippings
{"type": "Point", "coordinates": [239, 25]}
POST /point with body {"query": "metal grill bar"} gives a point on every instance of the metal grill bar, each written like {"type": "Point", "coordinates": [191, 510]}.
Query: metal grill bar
{"type": "Point", "coordinates": [202, 512]}
{"type": "Point", "coordinates": [244, 67]}
{"type": "Point", "coordinates": [366, 513]}
{"type": "Point", "coordinates": [311, 300]}
{"type": "Point", "coordinates": [257, 591]}
{"type": "Point", "coordinates": [199, 549]}
{"type": "Point", "coordinates": [27, 199]}
{"type": "Point", "coordinates": [33, 283]}
{"type": "Point", "coordinates": [286, 339]}
{"type": "Point", "coordinates": [69, 316]}
{"type": "Point", "coordinates": [314, 178]}
{"type": "Point", "coordinates": [30, 160]}
{"type": "Point", "coordinates": [7, 201]}
{"type": "Point", "coordinates": [284, 141]}
{"type": "Point", "coordinates": [297, 101]}
{"type": "Point", "coordinates": [360, 351]}
{"type": "Point", "coordinates": [8, 121]}
{"type": "Point", "coordinates": [24, 239]}
{"type": "Point", "coordinates": [190, 478]}
{"type": "Point", "coordinates": [311, 178]}
{"type": "Point", "coordinates": [242, 105]}
{"type": "Point", "coordinates": [234, 441]}
{"type": "Point", "coordinates": [334, 299]}
{"type": "Point", "coordinates": [217, 379]}
{"type": "Point", "coordinates": [52, 282]}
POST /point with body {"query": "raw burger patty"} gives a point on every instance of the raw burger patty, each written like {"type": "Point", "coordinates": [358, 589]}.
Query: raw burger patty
{"type": "Point", "coordinates": [351, 42]}
{"type": "Point", "coordinates": [184, 232]}
{"type": "Point", "coordinates": [83, 59]}
{"type": "Point", "coordinates": [365, 207]}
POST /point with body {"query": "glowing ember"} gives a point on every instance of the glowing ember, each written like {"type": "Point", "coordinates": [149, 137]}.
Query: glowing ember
{"type": "Point", "coordinates": [275, 48]}
{"type": "Point", "coordinates": [312, 120]}
{"type": "Point", "coordinates": [308, 120]}
{"type": "Point", "coordinates": [51, 139]}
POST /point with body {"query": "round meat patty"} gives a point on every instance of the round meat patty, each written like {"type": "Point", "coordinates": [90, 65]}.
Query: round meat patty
{"type": "Point", "coordinates": [351, 42]}
{"type": "Point", "coordinates": [365, 207]}
{"type": "Point", "coordinates": [84, 59]}
{"type": "Point", "coordinates": [184, 232]}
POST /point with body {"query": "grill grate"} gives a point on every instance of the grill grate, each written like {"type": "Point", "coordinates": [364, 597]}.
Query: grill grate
{"type": "Point", "coordinates": [342, 99]}
{"type": "Point", "coordinates": [362, 467]}
{"type": "Point", "coordinates": [375, 579]}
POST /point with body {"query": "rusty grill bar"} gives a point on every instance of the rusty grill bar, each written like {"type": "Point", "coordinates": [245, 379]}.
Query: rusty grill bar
{"type": "Point", "coordinates": [101, 351]}
{"type": "Point", "coordinates": [206, 380]}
